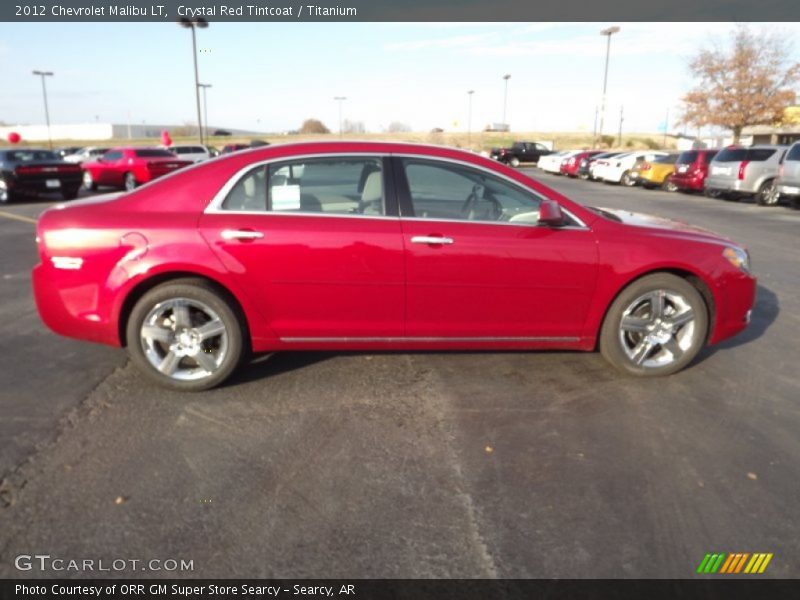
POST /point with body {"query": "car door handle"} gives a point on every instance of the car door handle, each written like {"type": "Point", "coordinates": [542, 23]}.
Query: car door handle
{"type": "Point", "coordinates": [241, 234]}
{"type": "Point", "coordinates": [431, 239]}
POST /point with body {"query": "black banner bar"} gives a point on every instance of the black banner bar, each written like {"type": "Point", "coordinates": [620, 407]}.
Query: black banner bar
{"type": "Point", "coordinates": [733, 588]}
{"type": "Point", "coordinates": [397, 10]}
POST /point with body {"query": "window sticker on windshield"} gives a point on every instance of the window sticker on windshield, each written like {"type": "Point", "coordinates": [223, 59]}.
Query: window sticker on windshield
{"type": "Point", "coordinates": [285, 197]}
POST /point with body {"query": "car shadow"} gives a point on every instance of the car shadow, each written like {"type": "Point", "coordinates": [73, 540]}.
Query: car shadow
{"type": "Point", "coordinates": [765, 312]}
{"type": "Point", "coordinates": [276, 363]}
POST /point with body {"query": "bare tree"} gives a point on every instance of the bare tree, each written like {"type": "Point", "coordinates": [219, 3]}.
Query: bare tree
{"type": "Point", "coordinates": [750, 83]}
{"type": "Point", "coordinates": [349, 126]}
{"type": "Point", "coordinates": [398, 127]}
{"type": "Point", "coordinates": [313, 126]}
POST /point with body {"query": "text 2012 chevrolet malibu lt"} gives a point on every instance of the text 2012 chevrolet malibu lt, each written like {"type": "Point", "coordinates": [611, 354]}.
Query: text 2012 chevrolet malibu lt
{"type": "Point", "coordinates": [375, 246]}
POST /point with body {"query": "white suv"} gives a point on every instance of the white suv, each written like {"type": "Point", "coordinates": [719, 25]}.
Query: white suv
{"type": "Point", "coordinates": [195, 153]}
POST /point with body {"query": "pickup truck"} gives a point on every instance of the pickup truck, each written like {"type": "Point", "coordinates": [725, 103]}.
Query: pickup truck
{"type": "Point", "coordinates": [520, 152]}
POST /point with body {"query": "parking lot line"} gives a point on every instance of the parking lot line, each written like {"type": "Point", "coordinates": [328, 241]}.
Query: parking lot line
{"type": "Point", "coordinates": [16, 217]}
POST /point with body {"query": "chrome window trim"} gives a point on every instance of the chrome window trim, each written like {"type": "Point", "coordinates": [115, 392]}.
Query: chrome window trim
{"type": "Point", "coordinates": [215, 206]}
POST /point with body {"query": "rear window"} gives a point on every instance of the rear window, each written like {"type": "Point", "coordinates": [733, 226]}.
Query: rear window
{"type": "Point", "coordinates": [188, 150]}
{"type": "Point", "coordinates": [687, 158]}
{"type": "Point", "coordinates": [668, 159]}
{"type": "Point", "coordinates": [31, 155]}
{"type": "Point", "coordinates": [794, 153]}
{"type": "Point", "coordinates": [740, 154]}
{"type": "Point", "coordinates": [154, 153]}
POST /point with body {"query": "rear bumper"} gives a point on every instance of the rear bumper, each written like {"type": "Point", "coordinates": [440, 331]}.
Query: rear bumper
{"type": "Point", "coordinates": [727, 184]}
{"type": "Point", "coordinates": [688, 182]}
{"type": "Point", "coordinates": [73, 307]}
{"type": "Point", "coordinates": [39, 184]}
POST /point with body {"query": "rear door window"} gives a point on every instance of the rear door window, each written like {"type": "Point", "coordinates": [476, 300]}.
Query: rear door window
{"type": "Point", "coordinates": [794, 153]}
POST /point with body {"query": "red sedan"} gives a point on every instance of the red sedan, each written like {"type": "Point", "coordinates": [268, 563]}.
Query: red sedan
{"type": "Point", "coordinates": [130, 167]}
{"type": "Point", "coordinates": [572, 165]}
{"type": "Point", "coordinates": [378, 246]}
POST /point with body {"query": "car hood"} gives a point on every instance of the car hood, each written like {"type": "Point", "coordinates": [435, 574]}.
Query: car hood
{"type": "Point", "coordinates": [654, 222]}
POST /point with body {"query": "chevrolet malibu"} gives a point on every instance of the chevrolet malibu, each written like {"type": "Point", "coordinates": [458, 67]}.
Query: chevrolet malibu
{"type": "Point", "coordinates": [375, 246]}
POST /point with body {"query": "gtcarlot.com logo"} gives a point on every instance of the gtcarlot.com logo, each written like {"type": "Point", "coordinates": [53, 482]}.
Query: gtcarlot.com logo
{"type": "Point", "coordinates": [734, 563]}
{"type": "Point", "coordinates": [45, 562]}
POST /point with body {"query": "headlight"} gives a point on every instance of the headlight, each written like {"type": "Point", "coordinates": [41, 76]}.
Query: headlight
{"type": "Point", "coordinates": [738, 257]}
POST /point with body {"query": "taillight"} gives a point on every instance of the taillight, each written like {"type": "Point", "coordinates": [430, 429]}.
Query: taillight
{"type": "Point", "coordinates": [645, 167]}
{"type": "Point", "coordinates": [28, 170]}
{"type": "Point", "coordinates": [780, 171]}
{"type": "Point", "coordinates": [503, 151]}
{"type": "Point", "coordinates": [742, 167]}
{"type": "Point", "coordinates": [571, 161]}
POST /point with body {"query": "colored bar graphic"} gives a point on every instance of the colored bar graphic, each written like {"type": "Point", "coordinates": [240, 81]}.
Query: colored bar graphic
{"type": "Point", "coordinates": [765, 563]}
{"type": "Point", "coordinates": [727, 564]}
{"type": "Point", "coordinates": [741, 562]}
{"type": "Point", "coordinates": [718, 563]}
{"type": "Point", "coordinates": [703, 563]}
{"type": "Point", "coordinates": [723, 563]}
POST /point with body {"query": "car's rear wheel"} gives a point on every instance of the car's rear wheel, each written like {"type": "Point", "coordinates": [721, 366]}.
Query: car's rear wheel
{"type": "Point", "coordinates": [656, 326]}
{"type": "Point", "coordinates": [768, 194]}
{"type": "Point", "coordinates": [185, 335]}
{"type": "Point", "coordinates": [668, 186]}
{"type": "Point", "coordinates": [6, 195]}
{"type": "Point", "coordinates": [627, 180]}
{"type": "Point", "coordinates": [89, 182]}
{"type": "Point", "coordinates": [130, 182]}
{"type": "Point", "coordinates": [514, 161]}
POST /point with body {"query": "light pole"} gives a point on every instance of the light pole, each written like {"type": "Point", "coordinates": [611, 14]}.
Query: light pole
{"type": "Point", "coordinates": [204, 87]}
{"type": "Point", "coordinates": [469, 116]}
{"type": "Point", "coordinates": [340, 99]}
{"type": "Point", "coordinates": [194, 24]}
{"type": "Point", "coordinates": [44, 74]}
{"type": "Point", "coordinates": [608, 33]}
{"type": "Point", "coordinates": [505, 97]}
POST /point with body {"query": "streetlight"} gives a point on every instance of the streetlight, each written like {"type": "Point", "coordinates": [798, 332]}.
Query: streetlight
{"type": "Point", "coordinates": [205, 86]}
{"type": "Point", "coordinates": [193, 24]}
{"type": "Point", "coordinates": [44, 74]}
{"type": "Point", "coordinates": [469, 117]}
{"type": "Point", "coordinates": [340, 99]}
{"type": "Point", "coordinates": [505, 97]}
{"type": "Point", "coordinates": [608, 33]}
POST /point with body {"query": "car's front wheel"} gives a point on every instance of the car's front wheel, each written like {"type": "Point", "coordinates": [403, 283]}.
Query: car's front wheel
{"type": "Point", "coordinates": [130, 182]}
{"type": "Point", "coordinates": [656, 326]}
{"type": "Point", "coordinates": [89, 182]}
{"type": "Point", "coordinates": [185, 335]}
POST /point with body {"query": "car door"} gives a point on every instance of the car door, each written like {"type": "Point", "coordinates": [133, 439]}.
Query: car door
{"type": "Point", "coordinates": [478, 265]}
{"type": "Point", "coordinates": [110, 173]}
{"type": "Point", "coordinates": [316, 245]}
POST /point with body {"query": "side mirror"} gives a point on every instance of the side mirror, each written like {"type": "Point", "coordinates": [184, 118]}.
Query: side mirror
{"type": "Point", "coordinates": [550, 214]}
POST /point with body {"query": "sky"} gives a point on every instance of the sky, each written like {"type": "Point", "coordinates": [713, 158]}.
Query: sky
{"type": "Point", "coordinates": [271, 76]}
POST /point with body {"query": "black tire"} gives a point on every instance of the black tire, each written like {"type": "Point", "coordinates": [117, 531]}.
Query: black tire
{"type": "Point", "coordinates": [6, 196]}
{"type": "Point", "coordinates": [70, 193]}
{"type": "Point", "coordinates": [129, 182]}
{"type": "Point", "coordinates": [668, 186]}
{"type": "Point", "coordinates": [617, 343]}
{"type": "Point", "coordinates": [768, 194]}
{"type": "Point", "coordinates": [794, 202]}
{"type": "Point", "coordinates": [627, 180]}
{"type": "Point", "coordinates": [202, 293]}
{"type": "Point", "coordinates": [88, 182]}
{"type": "Point", "coordinates": [583, 176]}
{"type": "Point", "coordinates": [513, 161]}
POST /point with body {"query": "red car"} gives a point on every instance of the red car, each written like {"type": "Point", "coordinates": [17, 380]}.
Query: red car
{"type": "Point", "coordinates": [376, 246]}
{"type": "Point", "coordinates": [691, 169]}
{"type": "Point", "coordinates": [130, 167]}
{"type": "Point", "coordinates": [571, 165]}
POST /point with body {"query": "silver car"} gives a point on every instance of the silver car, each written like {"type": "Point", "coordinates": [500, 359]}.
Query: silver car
{"type": "Point", "coordinates": [789, 177]}
{"type": "Point", "coordinates": [738, 172]}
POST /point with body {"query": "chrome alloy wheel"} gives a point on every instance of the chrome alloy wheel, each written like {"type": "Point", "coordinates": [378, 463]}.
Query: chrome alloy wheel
{"type": "Point", "coordinates": [184, 339]}
{"type": "Point", "coordinates": [657, 328]}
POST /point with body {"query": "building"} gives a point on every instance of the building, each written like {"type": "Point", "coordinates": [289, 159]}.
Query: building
{"type": "Point", "coordinates": [768, 134]}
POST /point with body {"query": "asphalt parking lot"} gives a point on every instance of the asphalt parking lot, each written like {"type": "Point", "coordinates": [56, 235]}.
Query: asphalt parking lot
{"type": "Point", "coordinates": [354, 465]}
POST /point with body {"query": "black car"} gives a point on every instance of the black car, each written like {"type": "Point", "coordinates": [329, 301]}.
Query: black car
{"type": "Point", "coordinates": [520, 152]}
{"type": "Point", "coordinates": [585, 165]}
{"type": "Point", "coordinates": [31, 171]}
